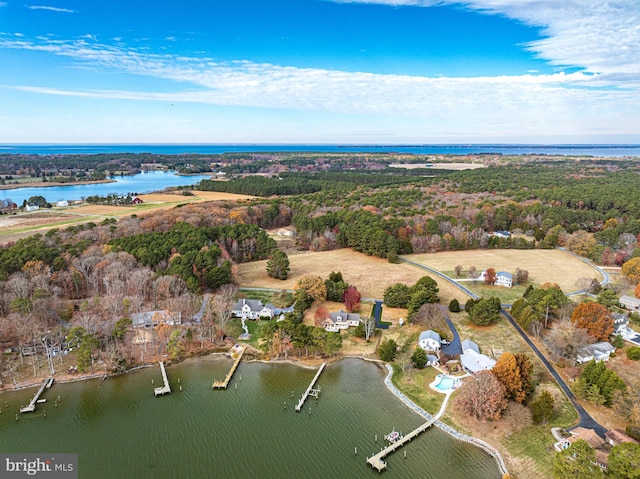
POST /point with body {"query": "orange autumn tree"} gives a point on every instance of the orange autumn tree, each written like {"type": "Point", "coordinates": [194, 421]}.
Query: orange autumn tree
{"type": "Point", "coordinates": [490, 276]}
{"type": "Point", "coordinates": [595, 319]}
{"type": "Point", "coordinates": [636, 291]}
{"type": "Point", "coordinates": [514, 372]}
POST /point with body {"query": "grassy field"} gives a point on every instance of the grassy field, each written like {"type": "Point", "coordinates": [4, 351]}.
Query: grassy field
{"type": "Point", "coordinates": [371, 275]}
{"type": "Point", "coordinates": [553, 266]}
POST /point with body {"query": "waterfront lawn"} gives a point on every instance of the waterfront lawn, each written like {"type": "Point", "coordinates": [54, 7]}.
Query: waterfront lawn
{"type": "Point", "coordinates": [414, 383]}
{"type": "Point", "coordinates": [234, 329]}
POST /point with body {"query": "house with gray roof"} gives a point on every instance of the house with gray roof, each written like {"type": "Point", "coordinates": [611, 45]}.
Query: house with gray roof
{"type": "Point", "coordinates": [254, 309]}
{"type": "Point", "coordinates": [471, 359]}
{"type": "Point", "coordinates": [151, 319]}
{"type": "Point", "coordinates": [598, 351]}
{"type": "Point", "coordinates": [629, 302]}
{"type": "Point", "coordinates": [341, 320]}
{"type": "Point", "coordinates": [429, 341]}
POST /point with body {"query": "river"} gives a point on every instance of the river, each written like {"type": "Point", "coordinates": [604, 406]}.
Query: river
{"type": "Point", "coordinates": [119, 429]}
{"type": "Point", "coordinates": [144, 182]}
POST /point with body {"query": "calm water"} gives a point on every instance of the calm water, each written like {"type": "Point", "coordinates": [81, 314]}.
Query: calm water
{"type": "Point", "coordinates": [592, 150]}
{"type": "Point", "coordinates": [145, 182]}
{"type": "Point", "coordinates": [119, 429]}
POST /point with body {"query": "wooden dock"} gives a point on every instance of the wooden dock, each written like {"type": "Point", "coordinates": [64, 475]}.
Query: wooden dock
{"type": "Point", "coordinates": [377, 461]}
{"type": "Point", "coordinates": [310, 391]}
{"type": "Point", "coordinates": [36, 399]}
{"type": "Point", "coordinates": [165, 389]}
{"type": "Point", "coordinates": [225, 383]}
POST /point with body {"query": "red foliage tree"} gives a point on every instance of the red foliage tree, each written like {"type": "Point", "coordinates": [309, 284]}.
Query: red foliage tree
{"type": "Point", "coordinates": [320, 315]}
{"type": "Point", "coordinates": [490, 276]}
{"type": "Point", "coordinates": [482, 396]}
{"type": "Point", "coordinates": [595, 319]}
{"type": "Point", "coordinates": [351, 299]}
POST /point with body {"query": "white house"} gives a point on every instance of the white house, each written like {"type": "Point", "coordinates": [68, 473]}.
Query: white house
{"type": "Point", "coordinates": [597, 351]}
{"type": "Point", "coordinates": [429, 340]}
{"type": "Point", "coordinates": [471, 359]}
{"type": "Point", "coordinates": [252, 309]}
{"type": "Point", "coordinates": [629, 302]}
{"type": "Point", "coordinates": [502, 278]}
{"type": "Point", "coordinates": [62, 204]}
{"type": "Point", "coordinates": [501, 234]}
{"type": "Point", "coordinates": [32, 207]}
{"type": "Point", "coordinates": [340, 320]}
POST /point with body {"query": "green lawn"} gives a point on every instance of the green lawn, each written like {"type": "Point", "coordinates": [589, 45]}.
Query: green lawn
{"type": "Point", "coordinates": [415, 385]}
{"type": "Point", "coordinates": [279, 299]}
{"type": "Point", "coordinates": [506, 295]}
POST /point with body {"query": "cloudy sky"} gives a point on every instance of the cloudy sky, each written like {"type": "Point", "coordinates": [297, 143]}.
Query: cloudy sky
{"type": "Point", "coordinates": [320, 71]}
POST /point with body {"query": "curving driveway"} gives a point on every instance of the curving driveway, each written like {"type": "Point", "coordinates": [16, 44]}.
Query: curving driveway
{"type": "Point", "coordinates": [585, 418]}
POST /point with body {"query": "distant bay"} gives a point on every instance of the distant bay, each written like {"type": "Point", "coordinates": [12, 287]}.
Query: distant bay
{"type": "Point", "coordinates": [442, 149]}
{"type": "Point", "coordinates": [145, 182]}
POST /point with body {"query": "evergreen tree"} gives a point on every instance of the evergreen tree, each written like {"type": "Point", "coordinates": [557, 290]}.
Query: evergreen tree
{"type": "Point", "coordinates": [419, 358]}
{"type": "Point", "coordinates": [278, 265]}
{"type": "Point", "coordinates": [454, 306]}
{"type": "Point", "coordinates": [542, 408]}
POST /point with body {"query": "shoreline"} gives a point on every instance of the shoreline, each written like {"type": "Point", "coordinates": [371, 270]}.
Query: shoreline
{"type": "Point", "coordinates": [488, 448]}
{"type": "Point", "coordinates": [53, 183]}
{"type": "Point", "coordinates": [68, 378]}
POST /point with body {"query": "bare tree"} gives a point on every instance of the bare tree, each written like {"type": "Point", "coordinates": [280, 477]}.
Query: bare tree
{"type": "Point", "coordinates": [221, 306]}
{"type": "Point", "coordinates": [458, 270]}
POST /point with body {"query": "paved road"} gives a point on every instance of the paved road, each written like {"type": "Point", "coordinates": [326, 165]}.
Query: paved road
{"type": "Point", "coordinates": [585, 418]}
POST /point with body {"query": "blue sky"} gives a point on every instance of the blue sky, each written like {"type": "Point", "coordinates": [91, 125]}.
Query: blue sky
{"type": "Point", "coordinates": [320, 71]}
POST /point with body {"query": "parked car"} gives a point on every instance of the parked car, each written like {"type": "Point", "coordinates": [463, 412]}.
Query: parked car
{"type": "Point", "coordinates": [445, 342]}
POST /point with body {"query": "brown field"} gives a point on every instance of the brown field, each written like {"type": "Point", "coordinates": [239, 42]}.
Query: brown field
{"type": "Point", "coordinates": [553, 266]}
{"type": "Point", "coordinates": [439, 166]}
{"type": "Point", "coordinates": [371, 275]}
{"type": "Point", "coordinates": [22, 225]}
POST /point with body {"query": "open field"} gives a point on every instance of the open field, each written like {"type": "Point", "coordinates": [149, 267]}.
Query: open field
{"type": "Point", "coordinates": [553, 266]}
{"type": "Point", "coordinates": [21, 225]}
{"type": "Point", "coordinates": [371, 275]}
{"type": "Point", "coordinates": [439, 166]}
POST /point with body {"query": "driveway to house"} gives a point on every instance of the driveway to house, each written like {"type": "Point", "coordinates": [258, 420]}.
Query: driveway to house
{"type": "Point", "coordinates": [586, 420]}
{"type": "Point", "coordinates": [455, 347]}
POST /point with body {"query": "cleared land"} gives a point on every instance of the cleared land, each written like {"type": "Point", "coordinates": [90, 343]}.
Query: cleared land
{"type": "Point", "coordinates": [21, 225]}
{"type": "Point", "coordinates": [371, 275]}
{"type": "Point", "coordinates": [439, 166]}
{"type": "Point", "coordinates": [553, 266]}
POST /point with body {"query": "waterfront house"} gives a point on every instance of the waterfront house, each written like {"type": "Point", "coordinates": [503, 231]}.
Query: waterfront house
{"type": "Point", "coordinates": [31, 207]}
{"type": "Point", "coordinates": [616, 436]}
{"type": "Point", "coordinates": [62, 204]}
{"type": "Point", "coordinates": [472, 360]}
{"type": "Point", "coordinates": [136, 201]}
{"type": "Point", "coordinates": [598, 351]}
{"type": "Point", "coordinates": [629, 302]}
{"type": "Point", "coordinates": [341, 320]}
{"type": "Point", "coordinates": [151, 319]}
{"type": "Point", "coordinates": [252, 309]}
{"type": "Point", "coordinates": [502, 278]}
{"type": "Point", "coordinates": [429, 340]}
{"type": "Point", "coordinates": [577, 433]}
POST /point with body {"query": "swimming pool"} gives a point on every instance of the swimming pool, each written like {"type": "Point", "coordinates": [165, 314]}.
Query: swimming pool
{"type": "Point", "coordinates": [445, 383]}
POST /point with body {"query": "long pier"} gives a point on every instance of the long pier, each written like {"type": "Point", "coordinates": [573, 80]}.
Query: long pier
{"type": "Point", "coordinates": [310, 391]}
{"type": "Point", "coordinates": [32, 405]}
{"type": "Point", "coordinates": [165, 389]}
{"type": "Point", "coordinates": [225, 383]}
{"type": "Point", "coordinates": [376, 461]}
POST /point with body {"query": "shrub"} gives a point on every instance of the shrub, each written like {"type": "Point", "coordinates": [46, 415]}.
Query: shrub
{"type": "Point", "coordinates": [633, 353]}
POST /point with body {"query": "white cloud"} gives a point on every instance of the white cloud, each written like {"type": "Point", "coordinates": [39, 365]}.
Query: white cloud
{"type": "Point", "coordinates": [601, 36]}
{"type": "Point", "coordinates": [52, 9]}
{"type": "Point", "coordinates": [527, 104]}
